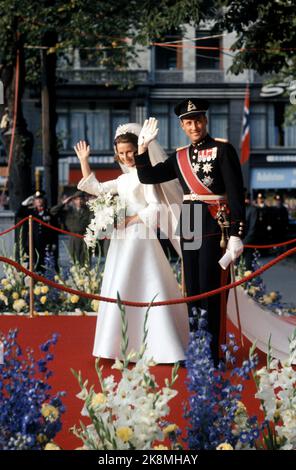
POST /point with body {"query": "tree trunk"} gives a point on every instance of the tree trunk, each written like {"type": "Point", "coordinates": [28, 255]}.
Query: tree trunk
{"type": "Point", "coordinates": [49, 119]}
{"type": "Point", "coordinates": [19, 178]}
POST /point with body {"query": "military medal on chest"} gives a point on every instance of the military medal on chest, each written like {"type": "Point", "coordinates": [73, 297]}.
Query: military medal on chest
{"type": "Point", "coordinates": [207, 155]}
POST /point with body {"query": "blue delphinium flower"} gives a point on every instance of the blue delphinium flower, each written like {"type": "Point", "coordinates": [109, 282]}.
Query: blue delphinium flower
{"type": "Point", "coordinates": [214, 397]}
{"type": "Point", "coordinates": [30, 416]}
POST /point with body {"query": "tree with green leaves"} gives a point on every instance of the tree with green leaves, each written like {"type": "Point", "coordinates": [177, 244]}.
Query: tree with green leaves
{"type": "Point", "coordinates": [266, 34]}
{"type": "Point", "coordinates": [40, 31]}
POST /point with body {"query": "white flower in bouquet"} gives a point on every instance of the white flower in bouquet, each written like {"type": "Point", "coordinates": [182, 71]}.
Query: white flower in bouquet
{"type": "Point", "coordinates": [109, 211]}
{"type": "Point", "coordinates": [127, 414]}
{"type": "Point", "coordinates": [276, 385]}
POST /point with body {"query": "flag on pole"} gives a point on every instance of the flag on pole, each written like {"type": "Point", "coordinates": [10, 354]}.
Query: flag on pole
{"type": "Point", "coordinates": [245, 139]}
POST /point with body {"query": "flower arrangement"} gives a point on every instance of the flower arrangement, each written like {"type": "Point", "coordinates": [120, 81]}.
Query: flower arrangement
{"type": "Point", "coordinates": [14, 288]}
{"type": "Point", "coordinates": [218, 418]}
{"type": "Point", "coordinates": [109, 211]}
{"type": "Point", "coordinates": [128, 414]}
{"type": "Point", "coordinates": [276, 389]}
{"type": "Point", "coordinates": [14, 291]}
{"type": "Point", "coordinates": [215, 395]}
{"type": "Point", "coordinates": [257, 290]}
{"type": "Point", "coordinates": [30, 415]}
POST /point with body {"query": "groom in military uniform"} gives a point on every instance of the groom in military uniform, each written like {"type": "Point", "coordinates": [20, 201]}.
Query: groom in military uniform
{"type": "Point", "coordinates": [210, 174]}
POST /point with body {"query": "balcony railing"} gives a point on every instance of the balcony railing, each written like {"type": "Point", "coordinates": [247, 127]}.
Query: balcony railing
{"type": "Point", "coordinates": [88, 75]}
{"type": "Point", "coordinates": [95, 75]}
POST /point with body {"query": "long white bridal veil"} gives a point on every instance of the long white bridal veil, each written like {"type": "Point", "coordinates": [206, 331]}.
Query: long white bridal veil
{"type": "Point", "coordinates": [170, 193]}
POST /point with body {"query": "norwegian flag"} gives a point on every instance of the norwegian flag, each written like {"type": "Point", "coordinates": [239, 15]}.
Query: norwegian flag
{"type": "Point", "coordinates": [245, 140]}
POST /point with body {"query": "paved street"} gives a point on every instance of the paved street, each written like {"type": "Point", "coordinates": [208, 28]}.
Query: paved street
{"type": "Point", "coordinates": [282, 278]}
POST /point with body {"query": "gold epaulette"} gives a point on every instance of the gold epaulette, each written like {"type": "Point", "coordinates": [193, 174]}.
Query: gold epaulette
{"type": "Point", "coordinates": [220, 140]}
{"type": "Point", "coordinates": [181, 148]}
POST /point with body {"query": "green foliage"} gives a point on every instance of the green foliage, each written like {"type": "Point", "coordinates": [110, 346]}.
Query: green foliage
{"type": "Point", "coordinates": [106, 33]}
{"type": "Point", "coordinates": [266, 34]}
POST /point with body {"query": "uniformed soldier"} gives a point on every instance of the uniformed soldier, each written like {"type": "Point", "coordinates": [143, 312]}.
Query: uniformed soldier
{"type": "Point", "coordinates": [44, 238]}
{"type": "Point", "coordinates": [74, 216]}
{"type": "Point", "coordinates": [210, 174]}
{"type": "Point", "coordinates": [264, 223]}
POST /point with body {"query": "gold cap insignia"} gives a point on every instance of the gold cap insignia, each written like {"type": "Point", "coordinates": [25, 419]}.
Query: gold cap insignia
{"type": "Point", "coordinates": [191, 106]}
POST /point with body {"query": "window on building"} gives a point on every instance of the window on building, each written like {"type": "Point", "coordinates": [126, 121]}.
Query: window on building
{"type": "Point", "coordinates": [280, 134]}
{"type": "Point", "coordinates": [218, 120]}
{"type": "Point", "coordinates": [210, 57]}
{"type": "Point", "coordinates": [269, 128]}
{"type": "Point", "coordinates": [96, 126]}
{"type": "Point", "coordinates": [258, 125]}
{"type": "Point", "coordinates": [166, 57]}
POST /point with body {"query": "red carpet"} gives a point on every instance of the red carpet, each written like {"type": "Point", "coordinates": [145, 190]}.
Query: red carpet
{"type": "Point", "coordinates": [73, 350]}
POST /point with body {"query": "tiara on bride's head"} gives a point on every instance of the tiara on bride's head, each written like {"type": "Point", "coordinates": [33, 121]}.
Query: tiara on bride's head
{"type": "Point", "coordinates": [131, 127]}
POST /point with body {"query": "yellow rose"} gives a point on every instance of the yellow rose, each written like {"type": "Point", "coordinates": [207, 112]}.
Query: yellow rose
{"type": "Point", "coordinates": [267, 300]}
{"type": "Point", "coordinates": [170, 428]}
{"type": "Point", "coordinates": [224, 446]}
{"type": "Point", "coordinates": [98, 399]}
{"type": "Point", "coordinates": [74, 299]}
{"type": "Point", "coordinates": [19, 305]}
{"type": "Point", "coordinates": [8, 287]}
{"type": "Point", "coordinates": [4, 282]}
{"type": "Point", "coordinates": [43, 299]}
{"type": "Point", "coordinates": [15, 295]}
{"type": "Point", "coordinates": [247, 273]}
{"type": "Point", "coordinates": [44, 289]}
{"type": "Point", "coordinates": [124, 433]}
{"type": "Point", "coordinates": [95, 305]}
{"type": "Point", "coordinates": [273, 295]}
{"type": "Point", "coordinates": [4, 298]}
{"type": "Point", "coordinates": [37, 290]}
{"type": "Point", "coordinates": [241, 409]}
{"type": "Point", "coordinates": [23, 292]}
{"type": "Point", "coordinates": [49, 412]}
{"type": "Point", "coordinates": [160, 447]}
{"type": "Point", "coordinates": [51, 446]}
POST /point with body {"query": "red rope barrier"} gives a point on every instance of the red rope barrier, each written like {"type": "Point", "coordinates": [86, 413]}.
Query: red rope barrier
{"type": "Point", "coordinates": [272, 245]}
{"type": "Point", "coordinates": [154, 304]}
{"type": "Point", "coordinates": [289, 242]}
{"type": "Point", "coordinates": [77, 235]}
{"type": "Point", "coordinates": [21, 222]}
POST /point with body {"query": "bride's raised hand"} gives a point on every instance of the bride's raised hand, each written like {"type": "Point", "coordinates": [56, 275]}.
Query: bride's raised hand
{"type": "Point", "coordinates": [82, 150]}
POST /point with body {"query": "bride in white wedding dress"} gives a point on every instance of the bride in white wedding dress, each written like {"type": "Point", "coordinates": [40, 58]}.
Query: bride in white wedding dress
{"type": "Point", "coordinates": [136, 265]}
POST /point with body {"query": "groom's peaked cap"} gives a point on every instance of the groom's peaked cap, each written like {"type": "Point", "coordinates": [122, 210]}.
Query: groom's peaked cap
{"type": "Point", "coordinates": [191, 107]}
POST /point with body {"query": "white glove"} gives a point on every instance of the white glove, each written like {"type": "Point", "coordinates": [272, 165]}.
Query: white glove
{"type": "Point", "coordinates": [28, 201]}
{"type": "Point", "coordinates": [234, 249]}
{"type": "Point", "coordinates": [148, 132]}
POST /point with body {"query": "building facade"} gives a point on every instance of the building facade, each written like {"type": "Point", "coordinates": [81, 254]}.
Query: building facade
{"type": "Point", "coordinates": [90, 107]}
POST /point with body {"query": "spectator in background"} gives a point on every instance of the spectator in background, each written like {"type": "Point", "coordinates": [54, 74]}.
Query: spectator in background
{"type": "Point", "coordinates": [44, 238]}
{"type": "Point", "coordinates": [74, 215]}
{"type": "Point", "coordinates": [281, 220]}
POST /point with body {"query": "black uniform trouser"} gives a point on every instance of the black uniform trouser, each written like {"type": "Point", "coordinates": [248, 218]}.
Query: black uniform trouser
{"type": "Point", "coordinates": [203, 273]}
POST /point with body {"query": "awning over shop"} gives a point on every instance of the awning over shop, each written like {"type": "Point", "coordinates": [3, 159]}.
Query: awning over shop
{"type": "Point", "coordinates": [273, 178]}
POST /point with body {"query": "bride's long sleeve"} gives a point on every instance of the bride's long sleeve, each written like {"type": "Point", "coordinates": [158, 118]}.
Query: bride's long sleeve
{"type": "Point", "coordinates": [91, 185]}
{"type": "Point", "coordinates": [149, 215]}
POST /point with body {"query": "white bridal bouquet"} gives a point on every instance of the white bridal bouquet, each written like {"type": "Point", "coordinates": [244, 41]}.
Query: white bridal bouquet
{"type": "Point", "coordinates": [109, 212]}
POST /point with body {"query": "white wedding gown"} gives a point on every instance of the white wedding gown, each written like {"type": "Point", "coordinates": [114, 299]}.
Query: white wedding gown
{"type": "Point", "coordinates": [138, 269]}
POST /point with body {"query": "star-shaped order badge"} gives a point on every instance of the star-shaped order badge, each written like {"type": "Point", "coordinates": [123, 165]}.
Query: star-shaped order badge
{"type": "Point", "coordinates": [196, 167]}
{"type": "Point", "coordinates": [207, 167]}
{"type": "Point", "coordinates": [207, 180]}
